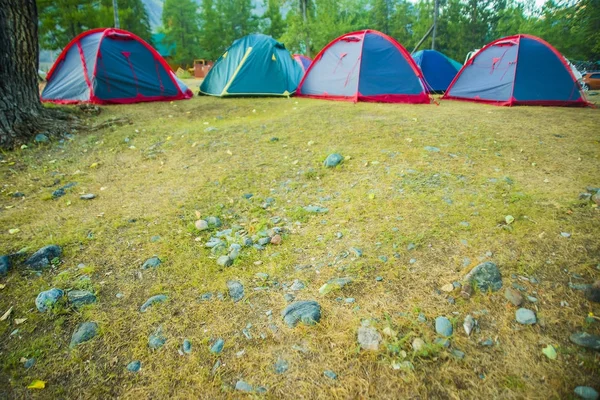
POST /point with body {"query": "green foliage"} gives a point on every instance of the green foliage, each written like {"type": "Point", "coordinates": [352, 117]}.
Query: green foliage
{"type": "Point", "coordinates": [60, 21]}
{"type": "Point", "coordinates": [181, 27]}
{"type": "Point", "coordinates": [272, 22]}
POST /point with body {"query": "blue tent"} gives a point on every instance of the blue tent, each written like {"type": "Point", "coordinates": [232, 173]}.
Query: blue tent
{"type": "Point", "coordinates": [107, 65]}
{"type": "Point", "coordinates": [364, 66]}
{"type": "Point", "coordinates": [438, 70]}
{"type": "Point", "coordinates": [255, 65]}
{"type": "Point", "coordinates": [519, 69]}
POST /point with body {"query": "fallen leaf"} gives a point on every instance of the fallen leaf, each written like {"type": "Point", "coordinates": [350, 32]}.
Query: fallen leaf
{"type": "Point", "coordinates": [19, 321]}
{"type": "Point", "coordinates": [8, 207]}
{"type": "Point", "coordinates": [509, 219]}
{"type": "Point", "coordinates": [2, 285]}
{"type": "Point", "coordinates": [198, 214]}
{"type": "Point", "coordinates": [37, 384]}
{"type": "Point", "coordinates": [14, 230]}
{"type": "Point", "coordinates": [6, 315]}
{"type": "Point", "coordinates": [229, 152]}
{"type": "Point", "coordinates": [94, 165]}
{"type": "Point", "coordinates": [550, 352]}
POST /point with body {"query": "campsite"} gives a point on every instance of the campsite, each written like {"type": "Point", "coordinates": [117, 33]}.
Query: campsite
{"type": "Point", "coordinates": [369, 221]}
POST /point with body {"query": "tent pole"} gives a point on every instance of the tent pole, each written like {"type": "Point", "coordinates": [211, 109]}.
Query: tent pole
{"type": "Point", "coordinates": [423, 39]}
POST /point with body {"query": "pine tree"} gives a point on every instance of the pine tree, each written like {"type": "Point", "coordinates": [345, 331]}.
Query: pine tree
{"type": "Point", "coordinates": [180, 23]}
{"type": "Point", "coordinates": [61, 20]}
{"type": "Point", "coordinates": [272, 22]}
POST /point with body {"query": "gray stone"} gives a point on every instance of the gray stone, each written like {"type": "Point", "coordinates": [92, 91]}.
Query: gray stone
{"type": "Point", "coordinates": [441, 342]}
{"type": "Point", "coordinates": [333, 160]}
{"type": "Point", "coordinates": [307, 312]}
{"type": "Point", "coordinates": [201, 225]}
{"type": "Point", "coordinates": [457, 353]}
{"type": "Point", "coordinates": [514, 296]}
{"type": "Point", "coordinates": [592, 293]}
{"type": "Point", "coordinates": [485, 276]}
{"type": "Point", "coordinates": [206, 296]}
{"type": "Point", "coordinates": [565, 234]}
{"type": "Point", "coordinates": [78, 298]}
{"type": "Point", "coordinates": [334, 284]}
{"type": "Point", "coordinates": [264, 241]}
{"type": "Point", "coordinates": [43, 257]}
{"type": "Point", "coordinates": [217, 347]}
{"type": "Point", "coordinates": [236, 290]}
{"type": "Point", "coordinates": [297, 285]}
{"type": "Point", "coordinates": [159, 298]}
{"type": "Point", "coordinates": [225, 261]}
{"type": "Point", "coordinates": [356, 251]}
{"type": "Point", "coordinates": [369, 338]}
{"type": "Point", "coordinates": [4, 265]}
{"type": "Point", "coordinates": [422, 318]}
{"type": "Point", "coordinates": [432, 149]}
{"type": "Point", "coordinates": [152, 262]}
{"type": "Point", "coordinates": [187, 346]}
{"type": "Point", "coordinates": [134, 366]}
{"type": "Point", "coordinates": [84, 332]}
{"type": "Point", "coordinates": [330, 374]}
{"type": "Point", "coordinates": [29, 363]}
{"type": "Point", "coordinates": [379, 278]}
{"type": "Point", "coordinates": [41, 138]}
{"type": "Point", "coordinates": [157, 340]}
{"type": "Point", "coordinates": [586, 340]}
{"type": "Point", "coordinates": [587, 393]}
{"type": "Point", "coordinates": [262, 276]}
{"type": "Point", "coordinates": [47, 299]}
{"type": "Point", "coordinates": [443, 326]}
{"type": "Point", "coordinates": [281, 366]}
{"type": "Point", "coordinates": [486, 343]}
{"type": "Point", "coordinates": [316, 209]}
{"type": "Point", "coordinates": [525, 316]}
{"type": "Point", "coordinates": [214, 222]}
{"type": "Point", "coordinates": [289, 297]}
{"type": "Point", "coordinates": [88, 196]}
{"type": "Point", "coordinates": [243, 386]}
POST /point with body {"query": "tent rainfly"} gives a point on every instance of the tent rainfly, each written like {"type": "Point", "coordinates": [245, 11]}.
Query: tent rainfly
{"type": "Point", "coordinates": [438, 69]}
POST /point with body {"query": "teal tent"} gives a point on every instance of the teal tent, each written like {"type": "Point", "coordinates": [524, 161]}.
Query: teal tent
{"type": "Point", "coordinates": [255, 65]}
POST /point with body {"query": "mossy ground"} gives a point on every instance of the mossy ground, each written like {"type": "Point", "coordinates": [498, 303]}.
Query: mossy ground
{"type": "Point", "coordinates": [528, 162]}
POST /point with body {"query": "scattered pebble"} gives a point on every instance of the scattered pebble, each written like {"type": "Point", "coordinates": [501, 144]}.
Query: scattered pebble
{"type": "Point", "coordinates": [224, 261]}
{"type": "Point", "coordinates": [156, 340]}
{"type": "Point", "coordinates": [187, 346]}
{"type": "Point", "coordinates": [587, 393]}
{"type": "Point", "coordinates": [84, 332]}
{"type": "Point", "coordinates": [468, 324]}
{"type": "Point", "coordinates": [88, 196]}
{"type": "Point", "coordinates": [307, 312]}
{"type": "Point", "coordinates": [418, 344]}
{"type": "Point", "coordinates": [43, 257]}
{"type": "Point", "coordinates": [330, 374]}
{"type": "Point", "coordinates": [159, 298]}
{"type": "Point", "coordinates": [243, 386]}
{"type": "Point", "coordinates": [586, 340]}
{"type": "Point", "coordinates": [369, 338]}
{"type": "Point", "coordinates": [236, 290]}
{"type": "Point", "coordinates": [134, 366]}
{"type": "Point", "coordinates": [565, 234]}
{"type": "Point", "coordinates": [356, 251]}
{"type": "Point", "coordinates": [485, 276]}
{"type": "Point", "coordinates": [47, 299]}
{"type": "Point", "coordinates": [78, 298]}
{"type": "Point", "coordinates": [201, 225]}
{"type": "Point", "coordinates": [333, 160]}
{"type": "Point", "coordinates": [217, 347]}
{"type": "Point", "coordinates": [152, 262]}
{"type": "Point", "coordinates": [281, 366]}
{"type": "Point", "coordinates": [525, 316]}
{"type": "Point", "coordinates": [443, 326]}
{"type": "Point", "coordinates": [4, 265]}
{"type": "Point", "coordinates": [513, 296]}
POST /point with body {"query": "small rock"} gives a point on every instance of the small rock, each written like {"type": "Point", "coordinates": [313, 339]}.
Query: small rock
{"type": "Point", "coordinates": [83, 333]}
{"type": "Point", "coordinates": [485, 276]}
{"type": "Point", "coordinates": [243, 386]}
{"type": "Point", "coordinates": [78, 298]}
{"type": "Point", "coordinates": [201, 225]}
{"type": "Point", "coordinates": [467, 291]}
{"type": "Point", "coordinates": [134, 366]}
{"type": "Point", "coordinates": [157, 340]}
{"type": "Point", "coordinates": [214, 222]}
{"type": "Point", "coordinates": [441, 342]}
{"type": "Point", "coordinates": [41, 138]}
{"type": "Point", "coordinates": [43, 257]}
{"type": "Point", "coordinates": [29, 363]}
{"type": "Point", "coordinates": [297, 285]}
{"type": "Point", "coordinates": [281, 366]}
{"type": "Point", "coordinates": [379, 278]}
{"type": "Point", "coordinates": [443, 326]}
{"type": "Point", "coordinates": [586, 340]}
{"type": "Point", "coordinates": [334, 284]}
{"type": "Point", "coordinates": [448, 288]}
{"type": "Point", "coordinates": [224, 261]}
{"type": "Point", "coordinates": [217, 347]}
{"type": "Point", "coordinates": [514, 296]}
{"type": "Point", "coordinates": [4, 265]}
{"type": "Point", "coordinates": [356, 251]}
{"type": "Point", "coordinates": [369, 338]}
{"type": "Point", "coordinates": [330, 374]}
{"type": "Point", "coordinates": [262, 276]}
{"type": "Point", "coordinates": [316, 209]}
{"type": "Point", "coordinates": [307, 312]}
{"type": "Point", "coordinates": [264, 241]}
{"type": "Point", "coordinates": [418, 344]}
{"type": "Point", "coordinates": [88, 196]}
{"type": "Point", "coordinates": [525, 316]}
{"type": "Point", "coordinates": [486, 343]}
{"type": "Point", "coordinates": [333, 160]}
{"type": "Point", "coordinates": [422, 318]}
{"type": "Point", "coordinates": [587, 393]}
{"type": "Point", "coordinates": [47, 299]}
{"type": "Point", "coordinates": [276, 240]}
{"type": "Point", "coordinates": [236, 290]}
{"type": "Point", "coordinates": [152, 262]}
{"type": "Point", "coordinates": [159, 298]}
{"type": "Point", "coordinates": [187, 346]}
{"type": "Point", "coordinates": [339, 235]}
{"type": "Point", "coordinates": [592, 293]}
{"type": "Point", "coordinates": [458, 354]}
{"type": "Point", "coordinates": [469, 324]}
{"type": "Point", "coordinates": [565, 234]}
{"type": "Point", "coordinates": [289, 297]}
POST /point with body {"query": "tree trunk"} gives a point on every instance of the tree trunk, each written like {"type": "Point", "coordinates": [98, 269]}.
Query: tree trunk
{"type": "Point", "coordinates": [21, 113]}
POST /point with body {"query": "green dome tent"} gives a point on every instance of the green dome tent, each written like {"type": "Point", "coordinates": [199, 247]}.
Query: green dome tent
{"type": "Point", "coordinates": [255, 65]}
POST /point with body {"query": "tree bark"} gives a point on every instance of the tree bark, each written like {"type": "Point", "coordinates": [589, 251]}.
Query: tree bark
{"type": "Point", "coordinates": [21, 113]}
